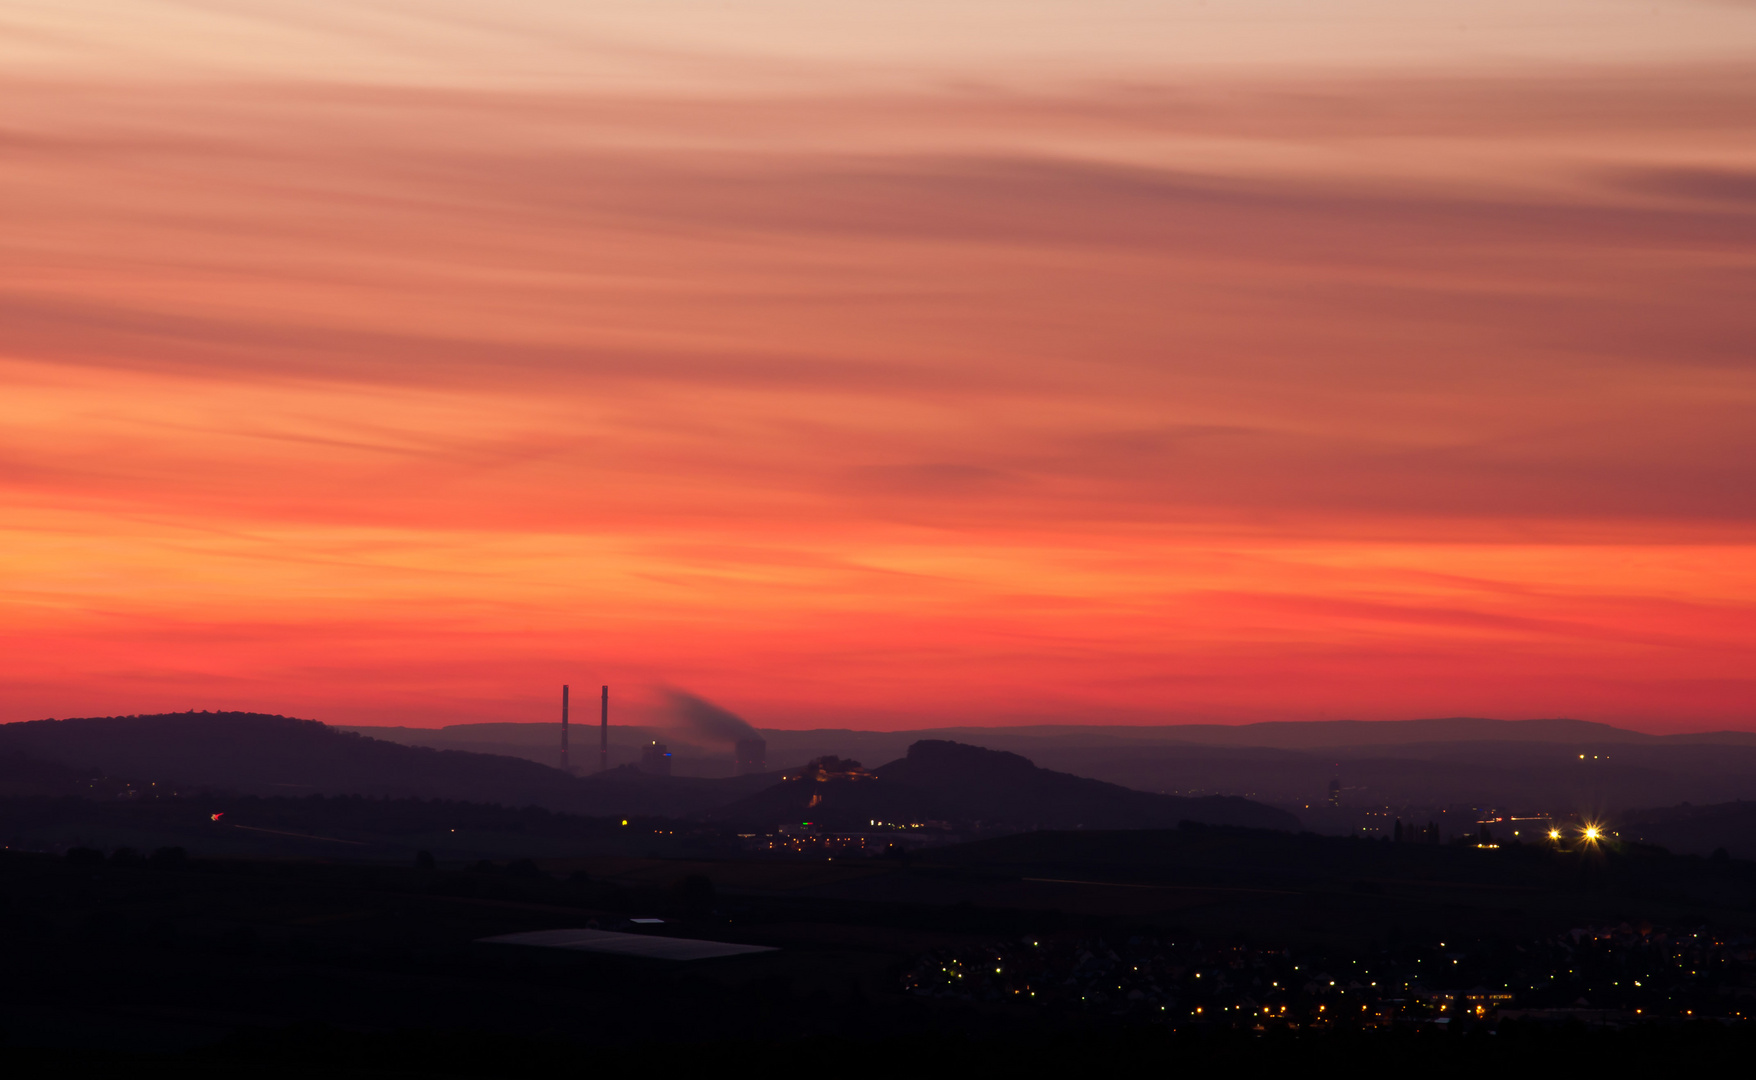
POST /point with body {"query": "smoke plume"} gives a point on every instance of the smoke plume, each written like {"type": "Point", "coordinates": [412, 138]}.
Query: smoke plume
{"type": "Point", "coordinates": [710, 722]}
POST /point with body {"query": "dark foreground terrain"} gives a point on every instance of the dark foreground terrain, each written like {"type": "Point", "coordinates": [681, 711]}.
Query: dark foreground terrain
{"type": "Point", "coordinates": [1203, 947]}
{"type": "Point", "coordinates": [233, 895]}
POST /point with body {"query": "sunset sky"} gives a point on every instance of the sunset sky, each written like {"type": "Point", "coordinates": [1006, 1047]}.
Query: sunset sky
{"type": "Point", "coordinates": [880, 365]}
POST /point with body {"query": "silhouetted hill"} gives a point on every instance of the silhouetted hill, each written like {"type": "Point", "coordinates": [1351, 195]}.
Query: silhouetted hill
{"type": "Point", "coordinates": [1042, 741]}
{"type": "Point", "coordinates": [1559, 766]}
{"type": "Point", "coordinates": [280, 755]}
{"type": "Point", "coordinates": [954, 782]}
{"type": "Point", "coordinates": [253, 753]}
{"type": "Point", "coordinates": [1524, 766]}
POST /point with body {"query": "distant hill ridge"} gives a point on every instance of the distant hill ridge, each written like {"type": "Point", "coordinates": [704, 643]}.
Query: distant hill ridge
{"type": "Point", "coordinates": [1310, 734]}
{"type": "Point", "coordinates": [255, 753]}
{"type": "Point", "coordinates": [951, 781]}
{"type": "Point", "coordinates": [1426, 762]}
{"type": "Point", "coordinates": [541, 741]}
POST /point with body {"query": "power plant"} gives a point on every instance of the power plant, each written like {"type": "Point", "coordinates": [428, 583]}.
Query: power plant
{"type": "Point", "coordinates": [655, 760]}
{"type": "Point", "coordinates": [714, 725]}
{"type": "Point", "coordinates": [702, 717]}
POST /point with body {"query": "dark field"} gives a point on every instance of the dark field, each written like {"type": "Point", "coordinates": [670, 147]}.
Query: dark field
{"type": "Point", "coordinates": [1108, 944]}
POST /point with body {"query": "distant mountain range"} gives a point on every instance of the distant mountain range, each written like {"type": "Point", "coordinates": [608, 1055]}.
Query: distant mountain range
{"type": "Point", "coordinates": [541, 741]}
{"type": "Point", "coordinates": [1552, 766]}
{"type": "Point", "coordinates": [258, 754]}
{"type": "Point", "coordinates": [1060, 777]}
{"type": "Point", "coordinates": [1081, 748]}
{"type": "Point", "coordinates": [1333, 734]}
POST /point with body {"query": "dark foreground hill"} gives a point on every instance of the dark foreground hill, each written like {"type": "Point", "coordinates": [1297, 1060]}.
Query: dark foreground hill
{"type": "Point", "coordinates": [954, 782]}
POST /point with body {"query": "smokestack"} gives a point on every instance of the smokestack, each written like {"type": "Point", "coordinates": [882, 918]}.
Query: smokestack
{"type": "Point", "coordinates": [563, 727]}
{"type": "Point", "coordinates": [604, 733]}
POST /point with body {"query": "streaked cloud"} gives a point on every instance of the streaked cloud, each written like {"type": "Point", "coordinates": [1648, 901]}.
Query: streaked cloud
{"type": "Point", "coordinates": [861, 393]}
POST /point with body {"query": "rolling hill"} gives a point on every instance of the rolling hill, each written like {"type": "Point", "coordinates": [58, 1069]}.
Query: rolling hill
{"type": "Point", "coordinates": [939, 780]}
{"type": "Point", "coordinates": [279, 755]}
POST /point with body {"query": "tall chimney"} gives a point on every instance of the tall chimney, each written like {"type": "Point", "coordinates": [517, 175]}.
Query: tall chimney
{"type": "Point", "coordinates": [604, 733]}
{"type": "Point", "coordinates": [563, 727]}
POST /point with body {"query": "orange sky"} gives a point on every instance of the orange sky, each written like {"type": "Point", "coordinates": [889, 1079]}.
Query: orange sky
{"type": "Point", "coordinates": [951, 363]}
